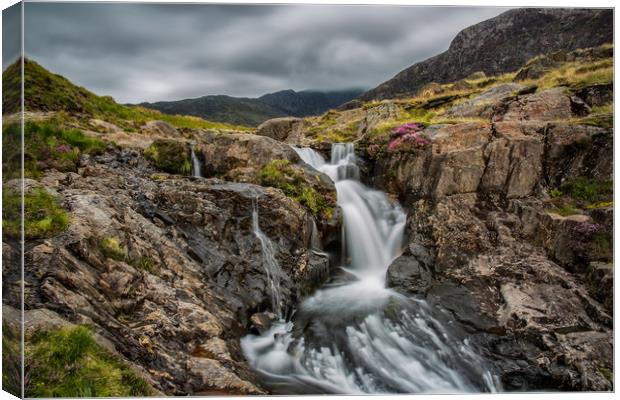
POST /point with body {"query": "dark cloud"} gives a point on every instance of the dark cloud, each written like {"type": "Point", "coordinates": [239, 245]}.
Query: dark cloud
{"type": "Point", "coordinates": [148, 52]}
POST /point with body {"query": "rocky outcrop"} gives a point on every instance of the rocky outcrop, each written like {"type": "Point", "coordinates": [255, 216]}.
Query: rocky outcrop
{"type": "Point", "coordinates": [280, 128]}
{"type": "Point", "coordinates": [503, 44]}
{"type": "Point", "coordinates": [168, 269]}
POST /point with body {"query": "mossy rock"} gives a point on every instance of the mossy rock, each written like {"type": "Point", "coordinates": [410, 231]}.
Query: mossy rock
{"type": "Point", "coordinates": [301, 186]}
{"type": "Point", "coordinates": [169, 155]}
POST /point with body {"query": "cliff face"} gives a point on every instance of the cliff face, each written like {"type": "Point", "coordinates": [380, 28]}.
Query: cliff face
{"type": "Point", "coordinates": [503, 44]}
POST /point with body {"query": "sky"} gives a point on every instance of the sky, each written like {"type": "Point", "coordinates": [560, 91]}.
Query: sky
{"type": "Point", "coordinates": [150, 52]}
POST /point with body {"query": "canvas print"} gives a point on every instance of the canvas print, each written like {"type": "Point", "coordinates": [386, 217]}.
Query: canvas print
{"type": "Point", "coordinates": [234, 199]}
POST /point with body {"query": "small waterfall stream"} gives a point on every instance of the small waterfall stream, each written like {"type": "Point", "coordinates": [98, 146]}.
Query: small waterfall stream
{"type": "Point", "coordinates": [354, 335]}
{"type": "Point", "coordinates": [196, 165]}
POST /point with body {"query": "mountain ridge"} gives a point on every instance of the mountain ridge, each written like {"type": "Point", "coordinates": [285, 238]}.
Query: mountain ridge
{"type": "Point", "coordinates": [253, 111]}
{"type": "Point", "coordinates": [502, 44]}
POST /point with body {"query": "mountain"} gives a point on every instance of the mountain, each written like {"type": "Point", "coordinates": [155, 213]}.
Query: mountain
{"type": "Point", "coordinates": [253, 111]}
{"type": "Point", "coordinates": [503, 44]}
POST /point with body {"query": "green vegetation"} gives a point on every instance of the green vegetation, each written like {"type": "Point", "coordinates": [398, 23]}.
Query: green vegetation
{"type": "Point", "coordinates": [147, 264]}
{"type": "Point", "coordinates": [169, 155]}
{"type": "Point", "coordinates": [590, 191]}
{"type": "Point", "coordinates": [327, 128]}
{"type": "Point", "coordinates": [45, 91]}
{"type": "Point", "coordinates": [112, 248]}
{"type": "Point", "coordinates": [68, 362]}
{"type": "Point", "coordinates": [11, 360]}
{"type": "Point", "coordinates": [46, 146]}
{"type": "Point", "coordinates": [607, 373]}
{"type": "Point", "coordinates": [43, 215]}
{"type": "Point", "coordinates": [292, 180]}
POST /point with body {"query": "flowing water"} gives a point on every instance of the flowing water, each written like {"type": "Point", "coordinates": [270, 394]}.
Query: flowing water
{"type": "Point", "coordinates": [354, 335]}
{"type": "Point", "coordinates": [196, 166]}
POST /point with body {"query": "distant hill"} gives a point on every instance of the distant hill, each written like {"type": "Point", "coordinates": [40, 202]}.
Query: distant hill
{"type": "Point", "coordinates": [253, 111]}
{"type": "Point", "coordinates": [46, 91]}
{"type": "Point", "coordinates": [503, 44]}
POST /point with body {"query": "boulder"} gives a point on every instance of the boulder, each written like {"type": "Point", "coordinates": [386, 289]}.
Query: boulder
{"type": "Point", "coordinates": [280, 128]}
{"type": "Point", "coordinates": [548, 105]}
{"type": "Point", "coordinates": [159, 128]}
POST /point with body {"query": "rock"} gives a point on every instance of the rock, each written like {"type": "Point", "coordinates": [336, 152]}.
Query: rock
{"type": "Point", "coordinates": [243, 155]}
{"type": "Point", "coordinates": [482, 106]}
{"type": "Point", "coordinates": [549, 105]}
{"type": "Point", "coordinates": [104, 126]}
{"type": "Point", "coordinates": [601, 283]}
{"type": "Point", "coordinates": [280, 128]}
{"type": "Point", "coordinates": [597, 95]}
{"type": "Point", "coordinates": [159, 128]}
{"type": "Point", "coordinates": [261, 322]}
{"type": "Point", "coordinates": [408, 275]}
{"type": "Point", "coordinates": [169, 155]}
{"type": "Point", "coordinates": [578, 151]}
{"type": "Point", "coordinates": [208, 376]}
{"type": "Point", "coordinates": [536, 68]}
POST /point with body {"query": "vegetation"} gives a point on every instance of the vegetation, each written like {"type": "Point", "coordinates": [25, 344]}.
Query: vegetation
{"type": "Point", "coordinates": [292, 180]}
{"type": "Point", "coordinates": [68, 362]}
{"type": "Point", "coordinates": [112, 248]}
{"type": "Point", "coordinates": [169, 155]}
{"type": "Point", "coordinates": [46, 145]}
{"type": "Point", "coordinates": [45, 91]}
{"type": "Point", "coordinates": [43, 215]}
{"type": "Point", "coordinates": [147, 264]}
{"type": "Point", "coordinates": [11, 360]}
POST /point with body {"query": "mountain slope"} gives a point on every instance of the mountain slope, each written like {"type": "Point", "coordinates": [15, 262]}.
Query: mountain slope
{"type": "Point", "coordinates": [503, 44]}
{"type": "Point", "coordinates": [46, 91]}
{"type": "Point", "coordinates": [253, 111]}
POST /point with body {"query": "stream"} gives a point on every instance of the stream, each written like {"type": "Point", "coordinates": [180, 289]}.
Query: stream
{"type": "Point", "coordinates": [354, 335]}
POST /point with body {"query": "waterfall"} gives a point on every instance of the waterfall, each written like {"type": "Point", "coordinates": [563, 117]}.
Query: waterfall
{"type": "Point", "coordinates": [355, 335]}
{"type": "Point", "coordinates": [196, 166]}
{"type": "Point", "coordinates": [271, 265]}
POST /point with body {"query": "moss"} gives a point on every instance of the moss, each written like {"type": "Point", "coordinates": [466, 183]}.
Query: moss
{"type": "Point", "coordinates": [169, 155]}
{"type": "Point", "coordinates": [43, 215]}
{"type": "Point", "coordinates": [281, 174]}
{"type": "Point", "coordinates": [68, 362]}
{"type": "Point", "coordinates": [607, 373]}
{"type": "Point", "coordinates": [112, 248]}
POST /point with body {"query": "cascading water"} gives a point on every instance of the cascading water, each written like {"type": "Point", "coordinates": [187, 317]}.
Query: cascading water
{"type": "Point", "coordinates": [196, 166]}
{"type": "Point", "coordinates": [355, 335]}
{"type": "Point", "coordinates": [271, 265]}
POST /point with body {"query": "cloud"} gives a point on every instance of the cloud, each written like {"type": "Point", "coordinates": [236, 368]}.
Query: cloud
{"type": "Point", "coordinates": [150, 52]}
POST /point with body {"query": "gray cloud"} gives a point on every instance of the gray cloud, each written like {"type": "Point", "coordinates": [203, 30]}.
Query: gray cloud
{"type": "Point", "coordinates": [149, 52]}
{"type": "Point", "coordinates": [11, 33]}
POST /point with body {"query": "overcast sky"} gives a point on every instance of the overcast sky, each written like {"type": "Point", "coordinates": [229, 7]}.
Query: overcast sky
{"type": "Point", "coordinates": [149, 52]}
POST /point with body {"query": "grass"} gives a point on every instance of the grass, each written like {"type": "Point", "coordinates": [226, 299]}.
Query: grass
{"type": "Point", "coordinates": [46, 146]}
{"type": "Point", "coordinates": [46, 91]}
{"type": "Point", "coordinates": [112, 248]}
{"type": "Point", "coordinates": [68, 362]}
{"type": "Point", "coordinates": [281, 174]}
{"type": "Point", "coordinates": [147, 264]}
{"type": "Point", "coordinates": [11, 360]}
{"type": "Point", "coordinates": [43, 215]}
{"type": "Point", "coordinates": [590, 191]}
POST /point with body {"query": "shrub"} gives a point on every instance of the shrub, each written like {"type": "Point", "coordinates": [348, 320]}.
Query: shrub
{"type": "Point", "coordinates": [408, 137]}
{"type": "Point", "coordinates": [112, 248]}
{"type": "Point", "coordinates": [68, 362]}
{"type": "Point", "coordinates": [43, 215]}
{"type": "Point", "coordinates": [589, 190]}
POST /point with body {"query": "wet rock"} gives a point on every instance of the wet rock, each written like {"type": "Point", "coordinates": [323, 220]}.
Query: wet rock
{"type": "Point", "coordinates": [261, 322]}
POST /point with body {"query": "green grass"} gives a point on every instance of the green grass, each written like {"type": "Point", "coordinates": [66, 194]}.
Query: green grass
{"type": "Point", "coordinates": [46, 146]}
{"type": "Point", "coordinates": [590, 191]}
{"type": "Point", "coordinates": [43, 215]}
{"type": "Point", "coordinates": [68, 362]}
{"type": "Point", "coordinates": [147, 264]}
{"type": "Point", "coordinates": [281, 174]}
{"type": "Point", "coordinates": [46, 91]}
{"type": "Point", "coordinates": [11, 360]}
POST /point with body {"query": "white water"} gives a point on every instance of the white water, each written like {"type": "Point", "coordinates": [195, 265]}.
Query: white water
{"type": "Point", "coordinates": [358, 336]}
{"type": "Point", "coordinates": [196, 166]}
{"type": "Point", "coordinates": [271, 265]}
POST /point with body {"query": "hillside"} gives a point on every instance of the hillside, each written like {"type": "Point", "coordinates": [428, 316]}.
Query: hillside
{"type": "Point", "coordinates": [253, 111]}
{"type": "Point", "coordinates": [45, 91]}
{"type": "Point", "coordinates": [502, 44]}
